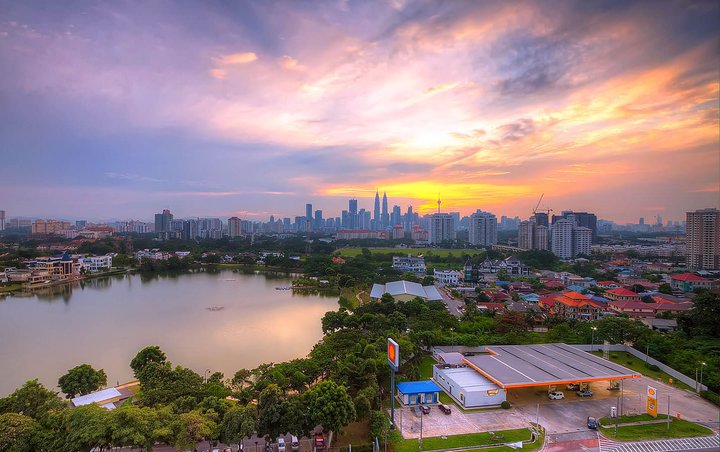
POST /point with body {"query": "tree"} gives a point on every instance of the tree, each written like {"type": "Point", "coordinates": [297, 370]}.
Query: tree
{"type": "Point", "coordinates": [271, 411]}
{"type": "Point", "coordinates": [238, 422]}
{"type": "Point", "coordinates": [387, 298]}
{"type": "Point", "coordinates": [142, 427]}
{"type": "Point", "coordinates": [665, 288]}
{"type": "Point", "coordinates": [81, 380]}
{"type": "Point", "coordinates": [145, 356]}
{"type": "Point", "coordinates": [329, 405]}
{"type": "Point", "coordinates": [84, 428]}
{"type": "Point", "coordinates": [190, 428]}
{"type": "Point", "coordinates": [17, 433]}
{"type": "Point", "coordinates": [33, 400]}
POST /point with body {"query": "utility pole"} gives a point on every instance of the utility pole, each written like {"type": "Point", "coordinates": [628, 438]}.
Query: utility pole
{"type": "Point", "coordinates": [668, 416]}
{"type": "Point", "coordinates": [422, 415]}
{"type": "Point", "coordinates": [617, 417]}
{"type": "Point", "coordinates": [537, 419]}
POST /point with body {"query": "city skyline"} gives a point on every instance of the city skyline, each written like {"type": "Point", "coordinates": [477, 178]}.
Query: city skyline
{"type": "Point", "coordinates": [255, 109]}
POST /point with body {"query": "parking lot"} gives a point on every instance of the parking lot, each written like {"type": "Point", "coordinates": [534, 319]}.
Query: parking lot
{"type": "Point", "coordinates": [458, 422]}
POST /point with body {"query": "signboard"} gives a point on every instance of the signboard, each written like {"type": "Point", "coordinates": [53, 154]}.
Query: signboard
{"type": "Point", "coordinates": [393, 351]}
{"type": "Point", "coordinates": [651, 403]}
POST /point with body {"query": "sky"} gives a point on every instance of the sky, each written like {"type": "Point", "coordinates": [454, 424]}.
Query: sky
{"type": "Point", "coordinates": [251, 108]}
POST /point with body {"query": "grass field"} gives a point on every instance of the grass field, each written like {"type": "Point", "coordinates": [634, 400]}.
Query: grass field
{"type": "Point", "coordinates": [607, 421]}
{"type": "Point", "coordinates": [638, 365]}
{"type": "Point", "coordinates": [679, 428]}
{"type": "Point", "coordinates": [10, 287]}
{"type": "Point", "coordinates": [471, 439]}
{"type": "Point", "coordinates": [440, 252]}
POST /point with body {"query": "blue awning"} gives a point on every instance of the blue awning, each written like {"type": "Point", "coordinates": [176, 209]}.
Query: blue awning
{"type": "Point", "coordinates": [418, 387]}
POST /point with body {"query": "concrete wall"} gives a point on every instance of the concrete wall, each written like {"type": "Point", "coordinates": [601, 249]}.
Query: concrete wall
{"type": "Point", "coordinates": [468, 397]}
{"type": "Point", "coordinates": [663, 367]}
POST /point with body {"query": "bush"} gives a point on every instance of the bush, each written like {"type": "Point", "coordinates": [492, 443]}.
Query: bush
{"type": "Point", "coordinates": [711, 396]}
{"type": "Point", "coordinates": [652, 367]}
{"type": "Point", "coordinates": [629, 361]}
{"type": "Point", "coordinates": [505, 405]}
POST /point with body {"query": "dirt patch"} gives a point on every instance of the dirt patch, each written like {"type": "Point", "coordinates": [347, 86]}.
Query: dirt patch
{"type": "Point", "coordinates": [357, 433]}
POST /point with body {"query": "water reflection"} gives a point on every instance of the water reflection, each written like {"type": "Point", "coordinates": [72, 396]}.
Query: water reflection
{"type": "Point", "coordinates": [111, 319]}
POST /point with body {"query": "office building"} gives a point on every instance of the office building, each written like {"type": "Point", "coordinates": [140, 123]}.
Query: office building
{"type": "Point", "coordinates": [376, 210]}
{"type": "Point", "coordinates": [2, 220]}
{"type": "Point", "coordinates": [482, 229]}
{"type": "Point", "coordinates": [385, 218]}
{"type": "Point", "coordinates": [49, 227]}
{"type": "Point", "coordinates": [541, 219]}
{"type": "Point", "coordinates": [442, 228]}
{"type": "Point", "coordinates": [583, 219]}
{"type": "Point", "coordinates": [162, 221]}
{"type": "Point", "coordinates": [702, 239]}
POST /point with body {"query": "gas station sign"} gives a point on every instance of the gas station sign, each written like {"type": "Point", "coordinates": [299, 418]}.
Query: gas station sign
{"type": "Point", "coordinates": [393, 352]}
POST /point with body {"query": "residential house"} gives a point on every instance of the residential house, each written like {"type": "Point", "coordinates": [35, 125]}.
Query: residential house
{"type": "Point", "coordinates": [574, 305]}
{"type": "Point", "coordinates": [622, 294]}
{"type": "Point", "coordinates": [688, 282]}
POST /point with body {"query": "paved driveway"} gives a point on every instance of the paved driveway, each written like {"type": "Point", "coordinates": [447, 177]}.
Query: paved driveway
{"type": "Point", "coordinates": [438, 424]}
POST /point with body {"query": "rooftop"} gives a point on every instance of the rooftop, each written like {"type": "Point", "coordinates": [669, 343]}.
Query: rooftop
{"type": "Point", "coordinates": [405, 288]}
{"type": "Point", "coordinates": [514, 366]}
{"type": "Point", "coordinates": [468, 379]}
{"type": "Point", "coordinates": [622, 292]}
{"type": "Point", "coordinates": [417, 387]}
{"type": "Point", "coordinates": [689, 277]}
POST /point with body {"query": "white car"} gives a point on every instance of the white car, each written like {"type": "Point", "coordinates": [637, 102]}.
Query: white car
{"type": "Point", "coordinates": [556, 395]}
{"type": "Point", "coordinates": [281, 444]}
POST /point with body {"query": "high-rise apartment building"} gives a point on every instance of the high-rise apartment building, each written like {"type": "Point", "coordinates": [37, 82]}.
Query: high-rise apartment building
{"type": "Point", "coordinates": [526, 233]}
{"type": "Point", "coordinates": [542, 238]}
{"type": "Point", "coordinates": [308, 212]}
{"type": "Point", "coordinates": [702, 238]}
{"type": "Point", "coordinates": [2, 220]}
{"type": "Point", "coordinates": [582, 241]}
{"type": "Point", "coordinates": [235, 226]}
{"type": "Point", "coordinates": [442, 228]}
{"type": "Point", "coordinates": [482, 229]}
{"type": "Point", "coordinates": [162, 221]}
{"type": "Point", "coordinates": [562, 238]}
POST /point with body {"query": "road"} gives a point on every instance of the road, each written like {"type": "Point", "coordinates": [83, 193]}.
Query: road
{"type": "Point", "coordinates": [452, 304]}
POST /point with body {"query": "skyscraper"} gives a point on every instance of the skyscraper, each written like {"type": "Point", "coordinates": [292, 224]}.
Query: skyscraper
{"type": "Point", "coordinates": [376, 211]}
{"type": "Point", "coordinates": [482, 229]}
{"type": "Point", "coordinates": [308, 212]}
{"type": "Point", "coordinates": [385, 214]}
{"type": "Point", "coordinates": [2, 220]}
{"type": "Point", "coordinates": [395, 218]}
{"type": "Point", "coordinates": [584, 219]}
{"type": "Point", "coordinates": [353, 222]}
{"type": "Point", "coordinates": [562, 238]}
{"type": "Point", "coordinates": [702, 239]}
{"type": "Point", "coordinates": [319, 219]}
{"type": "Point", "coordinates": [526, 235]}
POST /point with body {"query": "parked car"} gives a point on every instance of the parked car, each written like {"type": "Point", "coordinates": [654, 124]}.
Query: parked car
{"type": "Point", "coordinates": [281, 444]}
{"type": "Point", "coordinates": [425, 409]}
{"type": "Point", "coordinates": [585, 393]}
{"type": "Point", "coordinates": [269, 448]}
{"type": "Point", "coordinates": [573, 387]}
{"type": "Point", "coordinates": [319, 441]}
{"type": "Point", "coordinates": [468, 354]}
{"type": "Point", "coordinates": [444, 408]}
{"type": "Point", "coordinates": [294, 444]}
{"type": "Point", "coordinates": [556, 395]}
{"type": "Point", "coordinates": [592, 423]}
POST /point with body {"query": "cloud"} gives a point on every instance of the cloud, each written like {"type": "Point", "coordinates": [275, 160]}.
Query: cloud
{"type": "Point", "coordinates": [290, 64]}
{"type": "Point", "coordinates": [237, 58]}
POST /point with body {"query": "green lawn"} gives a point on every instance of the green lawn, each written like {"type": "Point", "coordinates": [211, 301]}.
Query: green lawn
{"type": "Point", "coordinates": [627, 419]}
{"type": "Point", "coordinates": [440, 252]}
{"type": "Point", "coordinates": [638, 365]}
{"type": "Point", "coordinates": [10, 287]}
{"type": "Point", "coordinates": [679, 428]}
{"type": "Point", "coordinates": [471, 439]}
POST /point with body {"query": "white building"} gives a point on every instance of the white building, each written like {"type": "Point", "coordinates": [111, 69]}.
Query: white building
{"type": "Point", "coordinates": [442, 228]}
{"type": "Point", "coordinates": [409, 264]}
{"type": "Point", "coordinates": [448, 276]}
{"type": "Point", "coordinates": [483, 228]}
{"type": "Point", "coordinates": [562, 238]}
{"type": "Point", "coordinates": [525, 235]}
{"type": "Point", "coordinates": [468, 387]}
{"type": "Point", "coordinates": [95, 264]}
{"type": "Point", "coordinates": [541, 241]}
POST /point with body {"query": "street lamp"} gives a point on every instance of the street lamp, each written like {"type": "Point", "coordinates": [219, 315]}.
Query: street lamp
{"type": "Point", "coordinates": [452, 339]}
{"type": "Point", "coordinates": [703, 364]}
{"type": "Point", "coordinates": [592, 342]}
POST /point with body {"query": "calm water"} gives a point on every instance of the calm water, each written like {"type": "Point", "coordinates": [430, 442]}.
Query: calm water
{"type": "Point", "coordinates": [105, 322]}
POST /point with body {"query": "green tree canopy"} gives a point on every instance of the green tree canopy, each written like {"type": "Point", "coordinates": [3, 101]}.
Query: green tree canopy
{"type": "Point", "coordinates": [147, 355]}
{"type": "Point", "coordinates": [238, 423]}
{"type": "Point", "coordinates": [17, 433]}
{"type": "Point", "coordinates": [34, 400]}
{"type": "Point", "coordinates": [329, 405]}
{"type": "Point", "coordinates": [81, 380]}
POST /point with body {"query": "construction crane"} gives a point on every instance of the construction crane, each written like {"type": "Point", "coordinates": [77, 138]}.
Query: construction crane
{"type": "Point", "coordinates": [538, 203]}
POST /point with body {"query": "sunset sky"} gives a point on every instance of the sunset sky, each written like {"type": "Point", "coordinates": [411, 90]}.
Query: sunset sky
{"type": "Point", "coordinates": [120, 109]}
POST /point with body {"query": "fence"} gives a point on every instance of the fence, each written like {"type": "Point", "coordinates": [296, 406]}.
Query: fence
{"type": "Point", "coordinates": [640, 355]}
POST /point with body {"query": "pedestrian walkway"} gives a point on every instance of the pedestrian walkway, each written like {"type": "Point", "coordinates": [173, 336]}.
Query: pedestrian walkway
{"type": "Point", "coordinates": [663, 445]}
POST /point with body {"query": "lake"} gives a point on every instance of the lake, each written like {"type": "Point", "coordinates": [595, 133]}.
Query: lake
{"type": "Point", "coordinates": [104, 322]}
